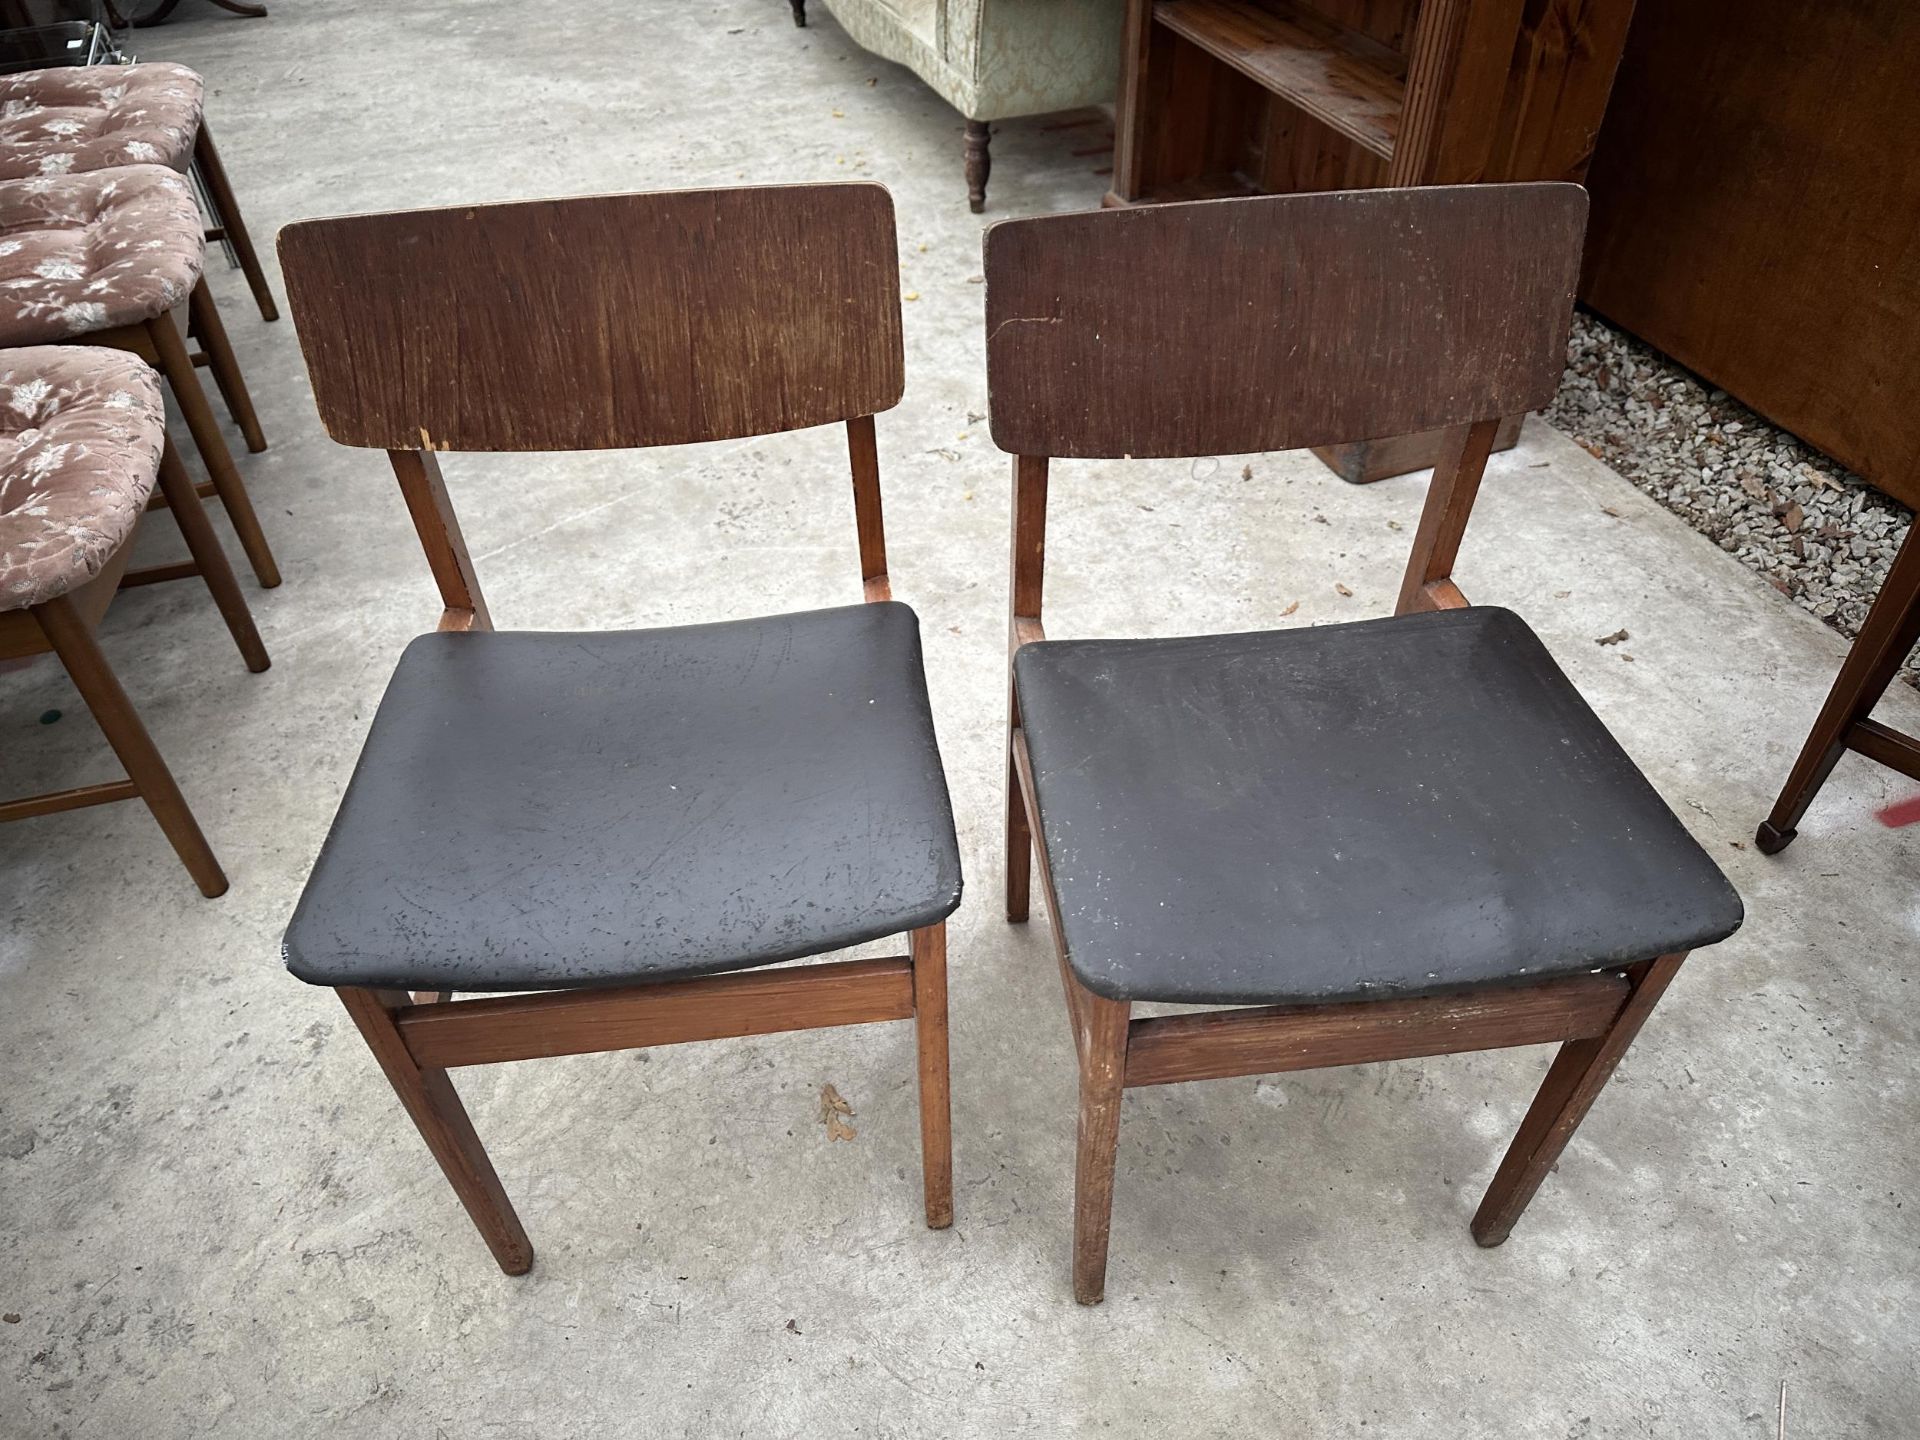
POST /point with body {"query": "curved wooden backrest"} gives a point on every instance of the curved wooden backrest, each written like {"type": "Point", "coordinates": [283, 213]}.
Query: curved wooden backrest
{"type": "Point", "coordinates": [604, 322]}
{"type": "Point", "coordinates": [1277, 322]}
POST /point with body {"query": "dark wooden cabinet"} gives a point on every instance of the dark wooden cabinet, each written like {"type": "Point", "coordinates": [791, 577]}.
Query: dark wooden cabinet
{"type": "Point", "coordinates": [1756, 214]}
{"type": "Point", "coordinates": [1245, 97]}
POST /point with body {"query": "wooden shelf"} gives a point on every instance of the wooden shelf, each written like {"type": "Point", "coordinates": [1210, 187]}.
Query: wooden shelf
{"type": "Point", "coordinates": [1344, 80]}
{"type": "Point", "coordinates": [1205, 187]}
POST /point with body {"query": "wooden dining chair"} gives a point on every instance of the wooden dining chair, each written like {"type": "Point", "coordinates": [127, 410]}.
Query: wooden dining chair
{"type": "Point", "coordinates": [630, 823]}
{"type": "Point", "coordinates": [1397, 837]}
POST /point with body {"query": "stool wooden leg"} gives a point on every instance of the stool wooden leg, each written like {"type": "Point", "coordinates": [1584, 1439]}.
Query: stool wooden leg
{"type": "Point", "coordinates": [929, 952]}
{"type": "Point", "coordinates": [226, 370]}
{"type": "Point", "coordinates": [214, 175]}
{"type": "Point", "coordinates": [184, 500]}
{"type": "Point", "coordinates": [73, 641]}
{"type": "Point", "coordinates": [1103, 1062]}
{"type": "Point", "coordinates": [436, 1111]}
{"type": "Point", "coordinates": [170, 353]}
{"type": "Point", "coordinates": [1885, 641]}
{"type": "Point", "coordinates": [1574, 1081]}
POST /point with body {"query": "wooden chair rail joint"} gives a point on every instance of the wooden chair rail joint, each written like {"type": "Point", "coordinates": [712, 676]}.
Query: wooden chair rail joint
{"type": "Point", "coordinates": [1270, 1039]}
{"type": "Point", "coordinates": [496, 1029]}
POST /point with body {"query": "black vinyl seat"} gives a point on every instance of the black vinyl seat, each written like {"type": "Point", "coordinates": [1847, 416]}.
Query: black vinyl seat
{"type": "Point", "coordinates": [1403, 805]}
{"type": "Point", "coordinates": [547, 810]}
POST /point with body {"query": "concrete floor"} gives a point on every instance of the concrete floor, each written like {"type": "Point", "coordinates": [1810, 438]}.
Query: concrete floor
{"type": "Point", "coordinates": [215, 1220]}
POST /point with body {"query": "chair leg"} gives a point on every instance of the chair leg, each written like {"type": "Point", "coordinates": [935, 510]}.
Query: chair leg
{"type": "Point", "coordinates": [1019, 845]}
{"type": "Point", "coordinates": [979, 164]}
{"type": "Point", "coordinates": [1103, 1063]}
{"type": "Point", "coordinates": [436, 1111]}
{"type": "Point", "coordinates": [214, 175]}
{"type": "Point", "coordinates": [1578, 1074]}
{"type": "Point", "coordinates": [73, 641]}
{"type": "Point", "coordinates": [170, 352]}
{"type": "Point", "coordinates": [226, 370]}
{"type": "Point", "coordinates": [800, 13]}
{"type": "Point", "coordinates": [1885, 641]}
{"type": "Point", "coordinates": [184, 500]}
{"type": "Point", "coordinates": [929, 951]}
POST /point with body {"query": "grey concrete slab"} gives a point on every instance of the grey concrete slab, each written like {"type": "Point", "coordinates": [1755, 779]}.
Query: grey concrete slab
{"type": "Point", "coordinates": [215, 1221]}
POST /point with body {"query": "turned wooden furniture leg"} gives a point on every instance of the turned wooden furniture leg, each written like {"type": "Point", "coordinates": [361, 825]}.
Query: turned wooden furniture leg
{"type": "Point", "coordinates": [226, 370]}
{"type": "Point", "coordinates": [979, 164]}
{"type": "Point", "coordinates": [211, 561]}
{"type": "Point", "coordinates": [442, 1120]}
{"type": "Point", "coordinates": [73, 641]}
{"type": "Point", "coordinates": [1888, 637]}
{"type": "Point", "coordinates": [170, 353]}
{"type": "Point", "coordinates": [800, 13]}
{"type": "Point", "coordinates": [1578, 1074]}
{"type": "Point", "coordinates": [1103, 1064]}
{"type": "Point", "coordinates": [214, 175]}
{"type": "Point", "coordinates": [928, 948]}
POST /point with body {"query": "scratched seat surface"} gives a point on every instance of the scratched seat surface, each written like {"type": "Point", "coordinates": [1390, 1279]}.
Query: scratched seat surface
{"type": "Point", "coordinates": [1393, 806]}
{"type": "Point", "coordinates": [543, 811]}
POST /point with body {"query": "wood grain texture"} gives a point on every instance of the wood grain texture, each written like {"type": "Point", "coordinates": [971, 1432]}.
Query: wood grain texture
{"type": "Point", "coordinates": [1349, 82]}
{"type": "Point", "coordinates": [1279, 321]}
{"type": "Point", "coordinates": [928, 956]}
{"type": "Point", "coordinates": [493, 1030]}
{"type": "Point", "coordinates": [1270, 1039]}
{"type": "Point", "coordinates": [1103, 1065]}
{"type": "Point", "coordinates": [425, 490]}
{"type": "Point", "coordinates": [1754, 203]}
{"type": "Point", "coordinates": [607, 321]}
{"type": "Point", "coordinates": [1443, 518]}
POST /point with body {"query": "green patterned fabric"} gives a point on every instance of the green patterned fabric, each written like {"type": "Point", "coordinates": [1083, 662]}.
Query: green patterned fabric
{"type": "Point", "coordinates": [994, 59]}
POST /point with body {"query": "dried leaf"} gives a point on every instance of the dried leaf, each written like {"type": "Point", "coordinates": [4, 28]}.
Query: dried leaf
{"type": "Point", "coordinates": [1291, 608]}
{"type": "Point", "coordinates": [838, 1129]}
{"type": "Point", "coordinates": [792, 1328]}
{"type": "Point", "coordinates": [1614, 639]}
{"type": "Point", "coordinates": [1341, 589]}
{"type": "Point", "coordinates": [1794, 518]}
{"type": "Point", "coordinates": [831, 1103]}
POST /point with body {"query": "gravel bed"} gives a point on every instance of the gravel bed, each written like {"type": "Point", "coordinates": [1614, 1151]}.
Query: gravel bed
{"type": "Point", "coordinates": [1818, 533]}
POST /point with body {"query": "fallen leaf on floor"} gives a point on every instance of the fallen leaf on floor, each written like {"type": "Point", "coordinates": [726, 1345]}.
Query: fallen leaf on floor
{"type": "Point", "coordinates": [1393, 525]}
{"type": "Point", "coordinates": [974, 417]}
{"type": "Point", "coordinates": [1291, 608]}
{"type": "Point", "coordinates": [832, 1107]}
{"type": "Point", "coordinates": [1794, 518]}
{"type": "Point", "coordinates": [1341, 589]}
{"type": "Point", "coordinates": [792, 1328]}
{"type": "Point", "coordinates": [1614, 639]}
{"type": "Point", "coordinates": [1627, 658]}
{"type": "Point", "coordinates": [1246, 472]}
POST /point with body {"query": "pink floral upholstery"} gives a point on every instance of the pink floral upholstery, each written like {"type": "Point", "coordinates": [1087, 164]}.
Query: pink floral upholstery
{"type": "Point", "coordinates": [81, 428]}
{"type": "Point", "coordinates": [72, 119]}
{"type": "Point", "coordinates": [80, 253]}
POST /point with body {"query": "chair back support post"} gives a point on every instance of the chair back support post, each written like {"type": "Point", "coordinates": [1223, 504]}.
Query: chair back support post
{"type": "Point", "coordinates": [425, 492]}
{"type": "Point", "coordinates": [1463, 458]}
{"type": "Point", "coordinates": [1029, 549]}
{"type": "Point", "coordinates": [601, 322]}
{"type": "Point", "coordinates": [863, 452]}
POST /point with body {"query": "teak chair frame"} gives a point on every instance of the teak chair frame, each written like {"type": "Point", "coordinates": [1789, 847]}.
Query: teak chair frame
{"type": "Point", "coordinates": [418, 1037]}
{"type": "Point", "coordinates": [1595, 1016]}
{"type": "Point", "coordinates": [65, 626]}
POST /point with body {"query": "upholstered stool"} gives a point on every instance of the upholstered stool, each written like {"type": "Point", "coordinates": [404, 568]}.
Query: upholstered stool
{"type": "Point", "coordinates": [106, 258]}
{"type": "Point", "coordinates": [82, 440]}
{"type": "Point", "coordinates": [73, 119]}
